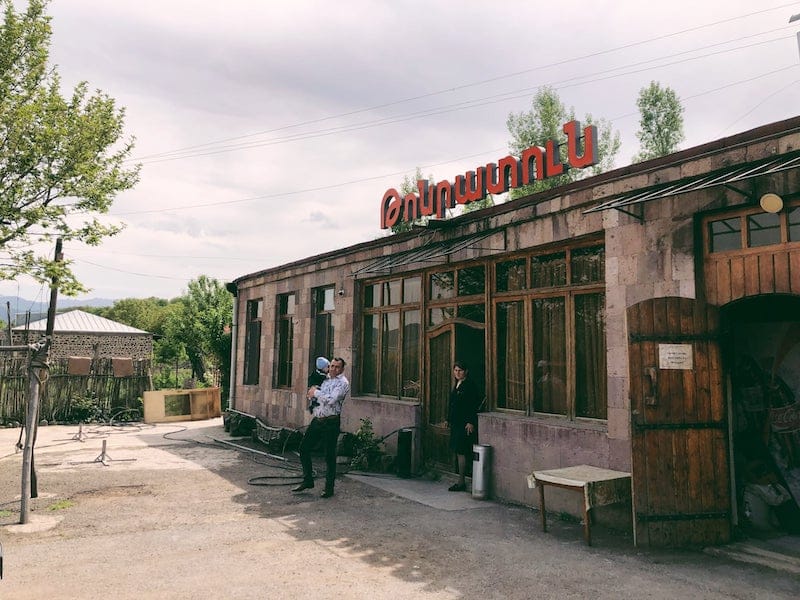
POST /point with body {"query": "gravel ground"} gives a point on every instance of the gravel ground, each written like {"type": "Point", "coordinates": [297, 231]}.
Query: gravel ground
{"type": "Point", "coordinates": [172, 514]}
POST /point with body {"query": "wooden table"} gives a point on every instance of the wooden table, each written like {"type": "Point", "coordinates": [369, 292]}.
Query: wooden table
{"type": "Point", "coordinates": [600, 487]}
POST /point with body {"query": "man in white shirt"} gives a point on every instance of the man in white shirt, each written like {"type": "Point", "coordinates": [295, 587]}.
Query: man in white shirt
{"type": "Point", "coordinates": [326, 423]}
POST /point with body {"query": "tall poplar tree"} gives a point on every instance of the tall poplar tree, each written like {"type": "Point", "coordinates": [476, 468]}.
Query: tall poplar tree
{"type": "Point", "coordinates": [660, 122]}
{"type": "Point", "coordinates": [61, 158]}
{"type": "Point", "coordinates": [544, 121]}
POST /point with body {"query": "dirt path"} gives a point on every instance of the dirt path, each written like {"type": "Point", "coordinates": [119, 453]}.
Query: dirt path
{"type": "Point", "coordinates": [179, 519]}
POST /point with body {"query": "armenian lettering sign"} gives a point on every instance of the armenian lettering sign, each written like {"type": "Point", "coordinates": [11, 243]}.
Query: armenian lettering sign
{"type": "Point", "coordinates": [535, 163]}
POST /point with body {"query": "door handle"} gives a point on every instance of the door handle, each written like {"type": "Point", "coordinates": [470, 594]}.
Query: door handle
{"type": "Point", "coordinates": [651, 393]}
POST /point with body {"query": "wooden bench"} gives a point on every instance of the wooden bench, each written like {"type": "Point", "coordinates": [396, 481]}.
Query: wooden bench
{"type": "Point", "coordinates": [599, 487]}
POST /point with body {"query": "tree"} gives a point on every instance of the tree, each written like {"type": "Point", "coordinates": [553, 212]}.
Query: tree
{"type": "Point", "coordinates": [479, 204]}
{"type": "Point", "coordinates": [61, 159]}
{"type": "Point", "coordinates": [544, 121]}
{"type": "Point", "coordinates": [660, 122]}
{"type": "Point", "coordinates": [203, 326]}
{"type": "Point", "coordinates": [409, 186]}
{"type": "Point", "coordinates": [147, 314]}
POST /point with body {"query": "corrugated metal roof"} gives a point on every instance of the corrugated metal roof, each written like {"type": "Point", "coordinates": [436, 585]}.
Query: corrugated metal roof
{"type": "Point", "coordinates": [430, 252]}
{"type": "Point", "coordinates": [725, 176]}
{"type": "Point", "coordinates": [77, 321]}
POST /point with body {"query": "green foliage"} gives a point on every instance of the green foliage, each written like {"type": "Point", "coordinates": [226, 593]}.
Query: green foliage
{"type": "Point", "coordinates": [660, 122]}
{"type": "Point", "coordinates": [61, 505]}
{"type": "Point", "coordinates": [544, 121]}
{"type": "Point", "coordinates": [84, 409]}
{"type": "Point", "coordinates": [195, 328]}
{"type": "Point", "coordinates": [367, 451]}
{"type": "Point", "coordinates": [409, 186]}
{"type": "Point", "coordinates": [61, 158]}
{"type": "Point", "coordinates": [201, 324]}
{"type": "Point", "coordinates": [485, 203]}
{"type": "Point", "coordinates": [147, 314]}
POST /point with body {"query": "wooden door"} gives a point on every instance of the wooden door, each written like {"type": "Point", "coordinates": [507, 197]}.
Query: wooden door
{"type": "Point", "coordinates": [436, 437]}
{"type": "Point", "coordinates": [681, 475]}
{"type": "Point", "coordinates": [458, 340]}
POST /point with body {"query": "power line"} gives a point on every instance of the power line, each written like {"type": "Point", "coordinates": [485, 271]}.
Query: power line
{"type": "Point", "coordinates": [468, 85]}
{"type": "Point", "coordinates": [306, 190]}
{"type": "Point", "coordinates": [775, 93]}
{"type": "Point", "coordinates": [398, 173]}
{"type": "Point", "coordinates": [131, 272]}
{"type": "Point", "coordinates": [475, 103]}
{"type": "Point", "coordinates": [171, 256]}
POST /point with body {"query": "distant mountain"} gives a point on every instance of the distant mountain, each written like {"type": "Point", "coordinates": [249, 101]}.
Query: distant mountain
{"type": "Point", "coordinates": [38, 310]}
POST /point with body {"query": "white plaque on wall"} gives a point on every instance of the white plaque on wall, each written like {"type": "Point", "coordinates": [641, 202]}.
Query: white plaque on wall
{"type": "Point", "coordinates": [675, 356]}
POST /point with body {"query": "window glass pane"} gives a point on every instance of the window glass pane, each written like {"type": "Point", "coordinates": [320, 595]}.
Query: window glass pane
{"type": "Point", "coordinates": [510, 276]}
{"type": "Point", "coordinates": [511, 356]}
{"type": "Point", "coordinates": [588, 265]}
{"type": "Point", "coordinates": [763, 229]}
{"type": "Point", "coordinates": [412, 323]}
{"type": "Point", "coordinates": [550, 356]}
{"type": "Point", "coordinates": [323, 336]}
{"type": "Point", "coordinates": [440, 315]}
{"type": "Point", "coordinates": [290, 305]}
{"type": "Point", "coordinates": [412, 289]}
{"type": "Point", "coordinates": [391, 292]}
{"type": "Point", "coordinates": [441, 285]}
{"type": "Point", "coordinates": [255, 309]}
{"type": "Point", "coordinates": [725, 234]}
{"type": "Point", "coordinates": [390, 353]}
{"type": "Point", "coordinates": [285, 351]}
{"type": "Point", "coordinates": [327, 299]}
{"type": "Point", "coordinates": [284, 354]}
{"type": "Point", "coordinates": [794, 224]}
{"type": "Point", "coordinates": [369, 367]}
{"type": "Point", "coordinates": [372, 295]}
{"type": "Point", "coordinates": [473, 312]}
{"type": "Point", "coordinates": [252, 353]}
{"type": "Point", "coordinates": [471, 280]}
{"type": "Point", "coordinates": [590, 356]}
{"type": "Point", "coordinates": [549, 270]}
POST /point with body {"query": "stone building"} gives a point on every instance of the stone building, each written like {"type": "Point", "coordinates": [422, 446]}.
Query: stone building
{"type": "Point", "coordinates": [642, 320]}
{"type": "Point", "coordinates": [80, 334]}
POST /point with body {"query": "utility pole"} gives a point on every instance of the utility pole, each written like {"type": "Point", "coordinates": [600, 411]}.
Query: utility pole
{"type": "Point", "coordinates": [37, 368]}
{"type": "Point", "coordinates": [8, 327]}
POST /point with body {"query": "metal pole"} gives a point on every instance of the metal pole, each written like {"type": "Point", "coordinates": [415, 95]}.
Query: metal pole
{"type": "Point", "coordinates": [10, 340]}
{"type": "Point", "coordinates": [37, 365]}
{"type": "Point", "coordinates": [30, 424]}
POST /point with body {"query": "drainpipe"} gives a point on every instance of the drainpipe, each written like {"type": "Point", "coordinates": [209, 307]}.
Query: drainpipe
{"type": "Point", "coordinates": [233, 289]}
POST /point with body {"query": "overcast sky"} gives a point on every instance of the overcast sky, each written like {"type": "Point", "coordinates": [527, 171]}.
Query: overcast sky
{"type": "Point", "coordinates": [268, 131]}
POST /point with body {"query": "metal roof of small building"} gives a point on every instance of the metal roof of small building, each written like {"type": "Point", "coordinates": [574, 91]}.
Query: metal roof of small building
{"type": "Point", "coordinates": [78, 321]}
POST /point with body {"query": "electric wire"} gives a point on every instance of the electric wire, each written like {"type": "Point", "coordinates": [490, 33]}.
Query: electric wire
{"type": "Point", "coordinates": [464, 105]}
{"type": "Point", "coordinates": [428, 166]}
{"type": "Point", "coordinates": [473, 84]}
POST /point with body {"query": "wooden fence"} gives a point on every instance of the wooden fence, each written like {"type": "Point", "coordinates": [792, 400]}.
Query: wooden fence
{"type": "Point", "coordinates": [69, 398]}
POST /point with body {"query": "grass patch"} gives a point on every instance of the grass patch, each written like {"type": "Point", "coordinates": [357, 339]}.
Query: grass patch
{"type": "Point", "coordinates": [61, 505]}
{"type": "Point", "coordinates": [5, 513]}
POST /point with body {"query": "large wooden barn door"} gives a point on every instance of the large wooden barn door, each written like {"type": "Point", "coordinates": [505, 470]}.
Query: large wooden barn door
{"type": "Point", "coordinates": [681, 476]}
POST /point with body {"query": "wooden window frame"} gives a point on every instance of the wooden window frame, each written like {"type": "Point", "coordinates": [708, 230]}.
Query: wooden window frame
{"type": "Point", "coordinates": [252, 343]}
{"type": "Point", "coordinates": [568, 291]}
{"type": "Point", "coordinates": [380, 308]}
{"type": "Point", "coordinates": [742, 213]}
{"type": "Point", "coordinates": [284, 340]}
{"type": "Point", "coordinates": [323, 333]}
